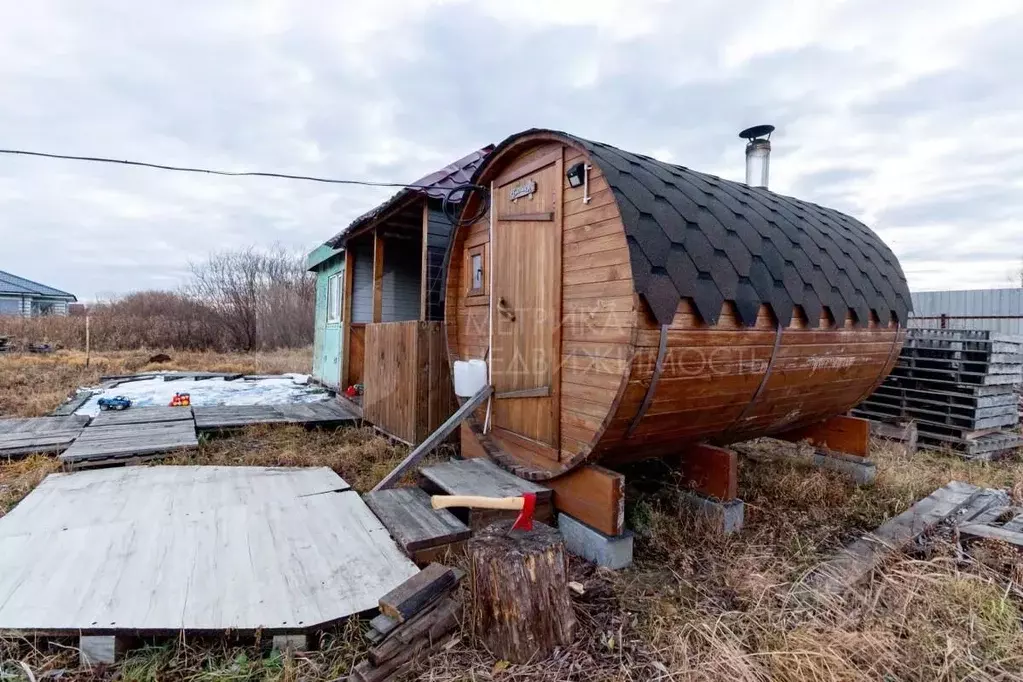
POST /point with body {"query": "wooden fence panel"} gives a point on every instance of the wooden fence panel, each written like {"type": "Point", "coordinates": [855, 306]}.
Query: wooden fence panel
{"type": "Point", "coordinates": [408, 391]}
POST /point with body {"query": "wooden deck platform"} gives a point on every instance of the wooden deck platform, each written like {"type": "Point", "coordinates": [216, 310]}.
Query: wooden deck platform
{"type": "Point", "coordinates": [160, 550]}
{"type": "Point", "coordinates": [135, 434]}
{"type": "Point", "coordinates": [44, 435]}
{"type": "Point", "coordinates": [142, 415]}
{"type": "Point", "coordinates": [322, 414]}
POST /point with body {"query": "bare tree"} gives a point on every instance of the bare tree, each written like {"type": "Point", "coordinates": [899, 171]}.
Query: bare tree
{"type": "Point", "coordinates": [264, 299]}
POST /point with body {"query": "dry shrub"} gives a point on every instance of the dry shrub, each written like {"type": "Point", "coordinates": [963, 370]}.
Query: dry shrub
{"type": "Point", "coordinates": [237, 300]}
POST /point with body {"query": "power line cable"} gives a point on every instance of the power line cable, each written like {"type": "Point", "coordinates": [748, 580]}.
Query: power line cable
{"type": "Point", "coordinates": [210, 171]}
{"type": "Point", "coordinates": [450, 205]}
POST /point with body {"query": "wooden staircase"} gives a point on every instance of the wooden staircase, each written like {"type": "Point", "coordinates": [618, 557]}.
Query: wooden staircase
{"type": "Point", "coordinates": [426, 534]}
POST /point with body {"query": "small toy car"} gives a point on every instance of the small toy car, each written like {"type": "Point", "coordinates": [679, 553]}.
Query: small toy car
{"type": "Point", "coordinates": [118, 402]}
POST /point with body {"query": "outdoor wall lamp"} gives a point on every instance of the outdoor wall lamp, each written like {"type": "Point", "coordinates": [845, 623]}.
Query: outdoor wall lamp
{"type": "Point", "coordinates": [579, 175]}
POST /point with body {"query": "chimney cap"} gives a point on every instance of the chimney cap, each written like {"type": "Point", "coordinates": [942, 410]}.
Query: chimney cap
{"type": "Point", "coordinates": [757, 132]}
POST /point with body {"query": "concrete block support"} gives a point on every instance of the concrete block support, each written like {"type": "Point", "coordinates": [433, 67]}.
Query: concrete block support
{"type": "Point", "coordinates": [860, 469]}
{"type": "Point", "coordinates": [592, 545]}
{"type": "Point", "coordinates": [101, 649]}
{"type": "Point", "coordinates": [724, 517]}
{"type": "Point", "coordinates": [293, 643]}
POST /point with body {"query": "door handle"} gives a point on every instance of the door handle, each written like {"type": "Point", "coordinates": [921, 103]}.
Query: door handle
{"type": "Point", "coordinates": [505, 309]}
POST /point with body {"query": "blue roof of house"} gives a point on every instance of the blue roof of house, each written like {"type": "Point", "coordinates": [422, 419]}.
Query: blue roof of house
{"type": "Point", "coordinates": [12, 284]}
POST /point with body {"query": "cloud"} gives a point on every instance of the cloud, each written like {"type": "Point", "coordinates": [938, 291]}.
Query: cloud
{"type": "Point", "coordinates": [902, 114]}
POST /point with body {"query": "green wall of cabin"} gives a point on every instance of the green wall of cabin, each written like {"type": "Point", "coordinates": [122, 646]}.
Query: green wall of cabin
{"type": "Point", "coordinates": [327, 339]}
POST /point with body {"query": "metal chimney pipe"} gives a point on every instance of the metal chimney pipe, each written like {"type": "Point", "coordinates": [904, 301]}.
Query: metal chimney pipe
{"type": "Point", "coordinates": [758, 154]}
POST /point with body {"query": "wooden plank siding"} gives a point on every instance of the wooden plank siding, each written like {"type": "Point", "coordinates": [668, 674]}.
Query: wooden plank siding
{"type": "Point", "coordinates": [408, 385]}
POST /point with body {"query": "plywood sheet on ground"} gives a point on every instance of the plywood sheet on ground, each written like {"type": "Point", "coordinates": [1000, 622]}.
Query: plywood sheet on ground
{"type": "Point", "coordinates": [166, 549]}
{"type": "Point", "coordinates": [20, 437]}
{"type": "Point", "coordinates": [327, 413]}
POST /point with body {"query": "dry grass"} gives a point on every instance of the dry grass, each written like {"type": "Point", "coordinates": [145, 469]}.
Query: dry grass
{"type": "Point", "coordinates": [32, 385]}
{"type": "Point", "coordinates": [696, 605]}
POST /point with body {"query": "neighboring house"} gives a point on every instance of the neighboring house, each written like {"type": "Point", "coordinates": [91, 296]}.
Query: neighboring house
{"type": "Point", "coordinates": [23, 297]}
{"type": "Point", "coordinates": [386, 267]}
{"type": "Point", "coordinates": [999, 310]}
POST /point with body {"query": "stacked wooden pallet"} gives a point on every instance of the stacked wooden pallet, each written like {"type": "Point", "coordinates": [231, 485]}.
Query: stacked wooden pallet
{"type": "Point", "coordinates": [417, 617]}
{"type": "Point", "coordinates": [957, 385]}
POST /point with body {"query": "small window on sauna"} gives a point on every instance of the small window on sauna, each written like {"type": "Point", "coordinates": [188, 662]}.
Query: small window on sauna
{"type": "Point", "coordinates": [334, 298]}
{"type": "Point", "coordinates": [477, 274]}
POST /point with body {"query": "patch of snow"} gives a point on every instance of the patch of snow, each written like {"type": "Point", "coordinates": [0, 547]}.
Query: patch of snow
{"type": "Point", "coordinates": [284, 389]}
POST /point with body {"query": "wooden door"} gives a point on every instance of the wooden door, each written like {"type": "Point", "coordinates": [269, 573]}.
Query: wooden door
{"type": "Point", "coordinates": [526, 300]}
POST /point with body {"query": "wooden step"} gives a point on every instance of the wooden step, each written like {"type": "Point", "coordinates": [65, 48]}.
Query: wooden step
{"type": "Point", "coordinates": [418, 528]}
{"type": "Point", "coordinates": [483, 477]}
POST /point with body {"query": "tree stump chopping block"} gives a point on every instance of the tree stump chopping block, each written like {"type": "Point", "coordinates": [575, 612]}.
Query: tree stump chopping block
{"type": "Point", "coordinates": [521, 605]}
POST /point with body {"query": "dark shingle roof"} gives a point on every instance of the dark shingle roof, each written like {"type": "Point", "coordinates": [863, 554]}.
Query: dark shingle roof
{"type": "Point", "coordinates": [436, 185]}
{"type": "Point", "coordinates": [12, 284]}
{"type": "Point", "coordinates": [697, 236]}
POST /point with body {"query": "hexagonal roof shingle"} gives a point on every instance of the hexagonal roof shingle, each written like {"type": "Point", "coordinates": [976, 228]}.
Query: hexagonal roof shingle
{"type": "Point", "coordinates": [697, 236]}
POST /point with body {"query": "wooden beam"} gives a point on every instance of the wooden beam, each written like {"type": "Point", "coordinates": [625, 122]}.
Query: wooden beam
{"type": "Point", "coordinates": [978, 531]}
{"type": "Point", "coordinates": [470, 445]}
{"type": "Point", "coordinates": [557, 278]}
{"type": "Point", "coordinates": [424, 298]}
{"type": "Point", "coordinates": [855, 562]}
{"type": "Point", "coordinates": [346, 319]}
{"type": "Point", "coordinates": [434, 439]}
{"type": "Point", "coordinates": [378, 276]}
{"type": "Point", "coordinates": [413, 595]}
{"type": "Point", "coordinates": [593, 495]}
{"type": "Point", "coordinates": [850, 435]}
{"type": "Point", "coordinates": [710, 470]}
{"type": "Point", "coordinates": [541, 217]}
{"type": "Point", "coordinates": [538, 392]}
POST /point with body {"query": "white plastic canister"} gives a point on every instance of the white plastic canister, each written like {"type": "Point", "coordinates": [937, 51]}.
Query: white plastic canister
{"type": "Point", "coordinates": [470, 377]}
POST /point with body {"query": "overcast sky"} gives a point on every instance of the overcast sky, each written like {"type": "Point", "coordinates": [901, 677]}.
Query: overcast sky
{"type": "Point", "coordinates": [906, 115]}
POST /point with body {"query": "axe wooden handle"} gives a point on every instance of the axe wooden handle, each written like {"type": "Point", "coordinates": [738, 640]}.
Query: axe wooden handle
{"type": "Point", "coordinates": [477, 502]}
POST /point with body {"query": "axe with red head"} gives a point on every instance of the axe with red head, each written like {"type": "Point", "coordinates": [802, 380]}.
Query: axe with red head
{"type": "Point", "coordinates": [525, 505]}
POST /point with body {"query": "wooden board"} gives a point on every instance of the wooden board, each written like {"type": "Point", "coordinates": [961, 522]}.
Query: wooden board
{"type": "Point", "coordinates": [123, 441]}
{"type": "Point", "coordinates": [480, 477]}
{"type": "Point", "coordinates": [412, 522]}
{"type": "Point", "coordinates": [69, 407]}
{"type": "Point", "coordinates": [326, 413]}
{"type": "Point", "coordinates": [841, 434]}
{"type": "Point", "coordinates": [483, 477]}
{"type": "Point", "coordinates": [44, 435]}
{"type": "Point", "coordinates": [855, 562]}
{"type": "Point", "coordinates": [593, 495]}
{"type": "Point", "coordinates": [141, 415]}
{"type": "Point", "coordinates": [193, 549]}
{"type": "Point", "coordinates": [710, 471]}
{"type": "Point", "coordinates": [986, 532]}
{"type": "Point", "coordinates": [413, 595]}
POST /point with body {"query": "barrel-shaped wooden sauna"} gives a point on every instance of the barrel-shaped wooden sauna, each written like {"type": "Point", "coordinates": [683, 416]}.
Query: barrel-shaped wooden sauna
{"type": "Point", "coordinates": [628, 308]}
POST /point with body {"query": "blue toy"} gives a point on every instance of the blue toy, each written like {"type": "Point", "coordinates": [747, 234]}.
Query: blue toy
{"type": "Point", "coordinates": [118, 402]}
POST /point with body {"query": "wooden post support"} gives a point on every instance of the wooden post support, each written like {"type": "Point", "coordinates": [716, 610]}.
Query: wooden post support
{"type": "Point", "coordinates": [346, 321]}
{"type": "Point", "coordinates": [520, 591]}
{"type": "Point", "coordinates": [710, 471]}
{"type": "Point", "coordinates": [378, 276]}
{"type": "Point", "coordinates": [850, 435]}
